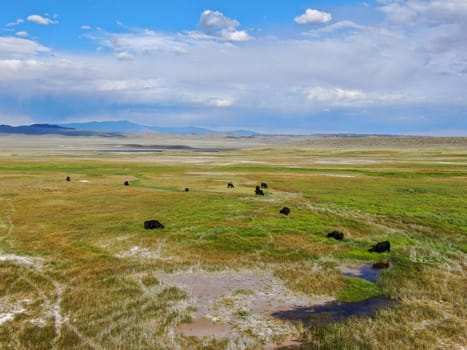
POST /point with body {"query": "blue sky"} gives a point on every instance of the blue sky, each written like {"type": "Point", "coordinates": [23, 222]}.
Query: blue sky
{"type": "Point", "coordinates": [383, 66]}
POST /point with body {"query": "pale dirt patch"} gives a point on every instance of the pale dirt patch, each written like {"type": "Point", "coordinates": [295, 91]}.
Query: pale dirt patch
{"type": "Point", "coordinates": [348, 161]}
{"type": "Point", "coordinates": [213, 173]}
{"type": "Point", "coordinates": [137, 252]}
{"type": "Point", "coordinates": [164, 159]}
{"type": "Point", "coordinates": [237, 162]}
{"type": "Point", "coordinates": [51, 304]}
{"type": "Point", "coordinates": [202, 327]}
{"type": "Point", "coordinates": [237, 302]}
{"type": "Point", "coordinates": [337, 175]}
{"type": "Point", "coordinates": [21, 259]}
{"type": "Point", "coordinates": [10, 308]}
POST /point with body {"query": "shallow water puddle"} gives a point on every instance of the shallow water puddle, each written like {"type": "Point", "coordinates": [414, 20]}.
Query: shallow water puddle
{"type": "Point", "coordinates": [334, 311]}
{"type": "Point", "coordinates": [369, 272]}
{"type": "Point", "coordinates": [236, 301]}
{"type": "Point", "coordinates": [228, 303]}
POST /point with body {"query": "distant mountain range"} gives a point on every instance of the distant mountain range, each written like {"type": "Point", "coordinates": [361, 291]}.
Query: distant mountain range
{"type": "Point", "coordinates": [44, 129]}
{"type": "Point", "coordinates": [126, 126]}
{"type": "Point", "coordinates": [107, 129]}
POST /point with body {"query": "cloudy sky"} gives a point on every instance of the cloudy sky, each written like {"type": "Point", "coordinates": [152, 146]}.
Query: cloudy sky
{"type": "Point", "coordinates": [382, 66]}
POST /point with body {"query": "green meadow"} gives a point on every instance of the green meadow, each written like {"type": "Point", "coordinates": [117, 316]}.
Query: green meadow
{"type": "Point", "coordinates": [79, 271]}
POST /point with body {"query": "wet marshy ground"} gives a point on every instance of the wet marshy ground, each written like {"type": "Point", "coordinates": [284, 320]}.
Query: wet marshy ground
{"type": "Point", "coordinates": [218, 297]}
{"type": "Point", "coordinates": [335, 311]}
{"type": "Point", "coordinates": [369, 272]}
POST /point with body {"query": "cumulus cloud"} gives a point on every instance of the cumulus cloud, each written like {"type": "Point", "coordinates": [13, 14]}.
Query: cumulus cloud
{"type": "Point", "coordinates": [216, 24]}
{"type": "Point", "coordinates": [312, 16]}
{"type": "Point", "coordinates": [235, 35]}
{"type": "Point", "coordinates": [12, 47]}
{"type": "Point", "coordinates": [86, 27]}
{"type": "Point", "coordinates": [38, 19]}
{"type": "Point", "coordinates": [214, 20]}
{"type": "Point", "coordinates": [22, 34]}
{"type": "Point", "coordinates": [201, 76]}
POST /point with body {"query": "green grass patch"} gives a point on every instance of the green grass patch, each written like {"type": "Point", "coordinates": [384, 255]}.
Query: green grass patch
{"type": "Point", "coordinates": [357, 289]}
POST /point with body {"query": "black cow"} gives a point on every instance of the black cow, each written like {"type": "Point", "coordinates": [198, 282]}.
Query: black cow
{"type": "Point", "coordinates": [230, 185]}
{"type": "Point", "coordinates": [152, 224]}
{"type": "Point", "coordinates": [259, 192]}
{"type": "Point", "coordinates": [126, 183]}
{"type": "Point", "coordinates": [187, 189]}
{"type": "Point", "coordinates": [68, 178]}
{"type": "Point", "coordinates": [264, 185]}
{"type": "Point", "coordinates": [285, 211]}
{"type": "Point", "coordinates": [381, 247]}
{"type": "Point", "coordinates": [380, 265]}
{"type": "Point", "coordinates": [336, 235]}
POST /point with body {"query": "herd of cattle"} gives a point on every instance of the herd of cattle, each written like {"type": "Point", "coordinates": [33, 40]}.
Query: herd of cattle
{"type": "Point", "coordinates": [380, 247]}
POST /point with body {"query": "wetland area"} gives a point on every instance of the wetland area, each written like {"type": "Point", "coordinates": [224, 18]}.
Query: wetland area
{"type": "Point", "coordinates": [228, 271]}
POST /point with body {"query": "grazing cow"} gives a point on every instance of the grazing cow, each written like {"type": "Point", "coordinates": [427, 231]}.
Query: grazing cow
{"type": "Point", "coordinates": [187, 189]}
{"type": "Point", "coordinates": [285, 211]}
{"type": "Point", "coordinates": [126, 183]}
{"type": "Point", "coordinates": [381, 247]}
{"type": "Point", "coordinates": [230, 185]}
{"type": "Point", "coordinates": [264, 185]}
{"type": "Point", "coordinates": [336, 235]}
{"type": "Point", "coordinates": [380, 265]}
{"type": "Point", "coordinates": [259, 192]}
{"type": "Point", "coordinates": [152, 224]}
{"type": "Point", "coordinates": [68, 178]}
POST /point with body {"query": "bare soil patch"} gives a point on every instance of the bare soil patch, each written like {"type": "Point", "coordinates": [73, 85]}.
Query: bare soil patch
{"type": "Point", "coordinates": [232, 302]}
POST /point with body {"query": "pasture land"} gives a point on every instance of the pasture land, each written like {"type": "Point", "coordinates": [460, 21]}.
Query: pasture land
{"type": "Point", "coordinates": [79, 271]}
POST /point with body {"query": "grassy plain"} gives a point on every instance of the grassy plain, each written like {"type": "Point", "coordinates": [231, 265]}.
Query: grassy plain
{"type": "Point", "coordinates": [78, 270]}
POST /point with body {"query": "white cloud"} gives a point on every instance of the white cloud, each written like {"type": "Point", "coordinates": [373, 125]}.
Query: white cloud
{"type": "Point", "coordinates": [146, 42]}
{"type": "Point", "coordinates": [203, 77]}
{"type": "Point", "coordinates": [126, 85]}
{"type": "Point", "coordinates": [219, 26]}
{"type": "Point", "coordinates": [124, 56]}
{"type": "Point", "coordinates": [411, 12]}
{"type": "Point", "coordinates": [334, 94]}
{"type": "Point", "coordinates": [221, 102]}
{"type": "Point", "coordinates": [335, 27]}
{"type": "Point", "coordinates": [18, 22]}
{"type": "Point", "coordinates": [41, 20]}
{"type": "Point", "coordinates": [346, 97]}
{"type": "Point", "coordinates": [214, 20]}
{"type": "Point", "coordinates": [86, 27]}
{"type": "Point", "coordinates": [235, 35]}
{"type": "Point", "coordinates": [312, 16]}
{"type": "Point", "coordinates": [22, 34]}
{"type": "Point", "coordinates": [12, 47]}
